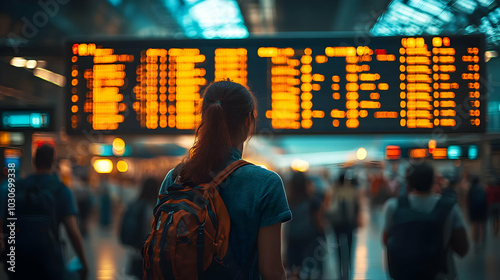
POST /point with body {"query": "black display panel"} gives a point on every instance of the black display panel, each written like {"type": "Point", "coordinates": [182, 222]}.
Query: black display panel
{"type": "Point", "coordinates": [303, 85]}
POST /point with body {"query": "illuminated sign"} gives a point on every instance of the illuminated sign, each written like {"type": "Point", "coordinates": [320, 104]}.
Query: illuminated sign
{"type": "Point", "coordinates": [25, 119]}
{"type": "Point", "coordinates": [417, 153]}
{"type": "Point", "coordinates": [303, 85]}
{"type": "Point", "coordinates": [440, 153]}
{"type": "Point", "coordinates": [454, 152]}
{"type": "Point", "coordinates": [392, 152]}
{"type": "Point", "coordinates": [473, 152]}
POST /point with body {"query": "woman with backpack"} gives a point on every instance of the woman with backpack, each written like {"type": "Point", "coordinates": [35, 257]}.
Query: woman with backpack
{"type": "Point", "coordinates": [253, 196]}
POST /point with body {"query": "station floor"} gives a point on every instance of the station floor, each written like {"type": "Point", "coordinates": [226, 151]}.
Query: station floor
{"type": "Point", "coordinates": [108, 259]}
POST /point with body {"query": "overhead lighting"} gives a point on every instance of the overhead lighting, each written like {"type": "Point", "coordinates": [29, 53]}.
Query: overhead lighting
{"type": "Point", "coordinates": [41, 63]}
{"type": "Point", "coordinates": [118, 147]}
{"type": "Point", "coordinates": [115, 3]}
{"type": "Point", "coordinates": [489, 55]}
{"type": "Point", "coordinates": [361, 153]}
{"type": "Point", "coordinates": [103, 165]}
{"type": "Point", "coordinates": [18, 62]}
{"type": "Point", "coordinates": [300, 165]}
{"type": "Point", "coordinates": [31, 64]}
{"type": "Point", "coordinates": [122, 166]}
{"type": "Point", "coordinates": [50, 76]}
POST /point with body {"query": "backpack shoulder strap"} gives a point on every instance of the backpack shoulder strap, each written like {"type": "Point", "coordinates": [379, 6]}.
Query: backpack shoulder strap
{"type": "Point", "coordinates": [443, 207]}
{"type": "Point", "coordinates": [227, 171]}
{"type": "Point", "coordinates": [403, 202]}
{"type": "Point", "coordinates": [176, 172]}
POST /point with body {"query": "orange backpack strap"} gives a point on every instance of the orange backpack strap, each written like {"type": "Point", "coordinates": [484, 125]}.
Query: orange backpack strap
{"type": "Point", "coordinates": [227, 171]}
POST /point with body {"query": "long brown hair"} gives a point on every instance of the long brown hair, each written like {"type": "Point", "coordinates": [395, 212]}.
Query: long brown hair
{"type": "Point", "coordinates": [225, 107]}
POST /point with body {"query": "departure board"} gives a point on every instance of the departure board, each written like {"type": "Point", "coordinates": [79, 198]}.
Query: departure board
{"type": "Point", "coordinates": [303, 85]}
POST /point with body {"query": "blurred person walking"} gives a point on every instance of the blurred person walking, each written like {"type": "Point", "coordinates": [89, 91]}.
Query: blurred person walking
{"type": "Point", "coordinates": [43, 202]}
{"type": "Point", "coordinates": [450, 191]}
{"type": "Point", "coordinates": [105, 202]}
{"type": "Point", "coordinates": [247, 202]}
{"type": "Point", "coordinates": [379, 189]}
{"type": "Point", "coordinates": [342, 206]}
{"type": "Point", "coordinates": [422, 230]}
{"type": "Point", "coordinates": [136, 223]}
{"type": "Point", "coordinates": [84, 202]}
{"type": "Point", "coordinates": [305, 228]}
{"type": "Point", "coordinates": [493, 197]}
{"type": "Point", "coordinates": [478, 211]}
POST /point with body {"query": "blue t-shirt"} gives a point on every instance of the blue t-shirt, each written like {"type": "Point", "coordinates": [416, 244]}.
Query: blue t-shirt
{"type": "Point", "coordinates": [65, 204]}
{"type": "Point", "coordinates": [254, 198]}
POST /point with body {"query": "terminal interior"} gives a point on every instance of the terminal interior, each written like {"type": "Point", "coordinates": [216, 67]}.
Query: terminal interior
{"type": "Point", "coordinates": [354, 87]}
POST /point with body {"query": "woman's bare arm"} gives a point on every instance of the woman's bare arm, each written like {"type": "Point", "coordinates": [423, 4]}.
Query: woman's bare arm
{"type": "Point", "coordinates": [269, 248]}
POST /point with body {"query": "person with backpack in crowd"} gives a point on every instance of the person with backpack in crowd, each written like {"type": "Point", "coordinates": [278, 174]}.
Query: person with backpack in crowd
{"type": "Point", "coordinates": [219, 217]}
{"type": "Point", "coordinates": [450, 191]}
{"type": "Point", "coordinates": [105, 202]}
{"type": "Point", "coordinates": [305, 228]}
{"type": "Point", "coordinates": [84, 202]}
{"type": "Point", "coordinates": [478, 211]}
{"type": "Point", "coordinates": [342, 213]}
{"type": "Point", "coordinates": [136, 223]}
{"type": "Point", "coordinates": [43, 202]}
{"type": "Point", "coordinates": [493, 199]}
{"type": "Point", "coordinates": [422, 230]}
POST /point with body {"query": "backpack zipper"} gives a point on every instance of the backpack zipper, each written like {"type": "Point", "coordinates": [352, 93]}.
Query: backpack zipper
{"type": "Point", "coordinates": [162, 243]}
{"type": "Point", "coordinates": [181, 206]}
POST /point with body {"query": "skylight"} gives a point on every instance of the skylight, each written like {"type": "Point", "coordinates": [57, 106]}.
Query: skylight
{"type": "Point", "coordinates": [209, 18]}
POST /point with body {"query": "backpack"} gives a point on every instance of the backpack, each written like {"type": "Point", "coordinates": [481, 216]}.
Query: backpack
{"type": "Point", "coordinates": [450, 193]}
{"type": "Point", "coordinates": [477, 197]}
{"type": "Point", "coordinates": [415, 245]}
{"type": "Point", "coordinates": [131, 231]}
{"type": "Point", "coordinates": [37, 246]}
{"type": "Point", "coordinates": [189, 231]}
{"type": "Point", "coordinates": [343, 209]}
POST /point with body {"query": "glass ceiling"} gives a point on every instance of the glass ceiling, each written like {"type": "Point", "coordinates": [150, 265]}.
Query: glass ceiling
{"type": "Point", "coordinates": [432, 17]}
{"type": "Point", "coordinates": [208, 18]}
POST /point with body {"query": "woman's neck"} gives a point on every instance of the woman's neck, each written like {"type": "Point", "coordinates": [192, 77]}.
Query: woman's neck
{"type": "Point", "coordinates": [239, 146]}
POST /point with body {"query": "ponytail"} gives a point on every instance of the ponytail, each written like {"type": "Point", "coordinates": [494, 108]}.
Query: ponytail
{"type": "Point", "coordinates": [225, 107]}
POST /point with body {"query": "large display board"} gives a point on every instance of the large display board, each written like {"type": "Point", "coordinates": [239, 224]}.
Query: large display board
{"type": "Point", "coordinates": [303, 85]}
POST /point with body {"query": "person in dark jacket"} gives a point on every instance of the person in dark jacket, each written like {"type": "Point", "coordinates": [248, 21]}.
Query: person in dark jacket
{"type": "Point", "coordinates": [43, 202]}
{"type": "Point", "coordinates": [478, 210]}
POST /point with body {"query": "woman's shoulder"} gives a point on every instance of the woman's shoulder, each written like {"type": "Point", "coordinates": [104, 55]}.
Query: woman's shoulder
{"type": "Point", "coordinates": [167, 181]}
{"type": "Point", "coordinates": [249, 173]}
{"type": "Point", "coordinates": [259, 173]}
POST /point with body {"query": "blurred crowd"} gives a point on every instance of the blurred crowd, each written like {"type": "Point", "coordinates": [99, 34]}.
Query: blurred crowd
{"type": "Point", "coordinates": [324, 202]}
